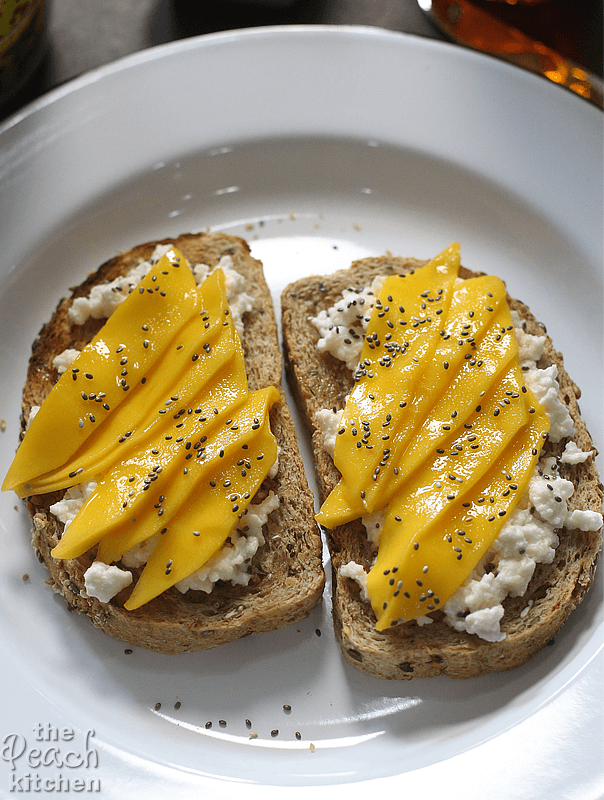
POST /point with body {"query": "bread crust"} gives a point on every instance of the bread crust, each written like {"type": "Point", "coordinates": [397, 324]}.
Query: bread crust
{"type": "Point", "coordinates": [320, 381]}
{"type": "Point", "coordinates": [287, 573]}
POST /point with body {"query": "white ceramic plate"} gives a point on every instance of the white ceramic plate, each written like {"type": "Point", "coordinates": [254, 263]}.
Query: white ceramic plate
{"type": "Point", "coordinates": [319, 145]}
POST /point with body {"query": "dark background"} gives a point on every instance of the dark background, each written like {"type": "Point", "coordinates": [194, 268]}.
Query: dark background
{"type": "Point", "coordinates": [83, 34]}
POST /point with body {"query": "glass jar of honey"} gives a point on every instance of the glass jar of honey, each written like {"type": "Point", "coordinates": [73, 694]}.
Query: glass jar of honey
{"type": "Point", "coordinates": [22, 43]}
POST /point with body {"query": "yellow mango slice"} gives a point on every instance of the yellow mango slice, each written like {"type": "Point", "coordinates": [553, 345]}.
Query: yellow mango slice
{"type": "Point", "coordinates": [476, 344]}
{"type": "Point", "coordinates": [441, 415]}
{"type": "Point", "coordinates": [418, 570]}
{"type": "Point", "coordinates": [141, 495]}
{"type": "Point", "coordinates": [402, 336]}
{"type": "Point", "coordinates": [455, 467]}
{"type": "Point", "coordinates": [139, 330]}
{"type": "Point", "coordinates": [188, 365]}
{"type": "Point", "coordinates": [202, 527]}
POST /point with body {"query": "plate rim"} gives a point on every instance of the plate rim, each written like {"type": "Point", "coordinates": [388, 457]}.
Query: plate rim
{"type": "Point", "coordinates": [126, 62]}
{"type": "Point", "coordinates": [165, 49]}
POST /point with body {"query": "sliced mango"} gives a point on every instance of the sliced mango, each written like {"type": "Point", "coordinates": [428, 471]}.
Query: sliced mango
{"type": "Point", "coordinates": [402, 335]}
{"type": "Point", "coordinates": [445, 443]}
{"type": "Point", "coordinates": [455, 468]}
{"type": "Point", "coordinates": [182, 446]}
{"type": "Point", "coordinates": [176, 489]}
{"type": "Point", "coordinates": [476, 344]}
{"type": "Point", "coordinates": [198, 531]}
{"type": "Point", "coordinates": [419, 568]}
{"type": "Point", "coordinates": [108, 371]}
{"type": "Point", "coordinates": [201, 349]}
{"type": "Point", "coordinates": [140, 495]}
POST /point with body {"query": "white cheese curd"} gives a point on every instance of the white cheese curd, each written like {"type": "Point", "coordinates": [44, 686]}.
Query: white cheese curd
{"type": "Point", "coordinates": [274, 470]}
{"type": "Point", "coordinates": [574, 455]}
{"type": "Point", "coordinates": [530, 347]}
{"type": "Point", "coordinates": [527, 539]}
{"type": "Point", "coordinates": [342, 327]}
{"type": "Point", "coordinates": [583, 520]}
{"type": "Point", "coordinates": [543, 384]}
{"type": "Point", "coordinates": [373, 525]}
{"type": "Point", "coordinates": [32, 413]}
{"type": "Point", "coordinates": [103, 299]}
{"type": "Point", "coordinates": [106, 297]}
{"type": "Point", "coordinates": [484, 623]}
{"type": "Point", "coordinates": [231, 562]}
{"type": "Point", "coordinates": [64, 360]}
{"type": "Point", "coordinates": [328, 421]}
{"type": "Point", "coordinates": [548, 495]}
{"type": "Point", "coordinates": [104, 582]}
{"type": "Point", "coordinates": [71, 502]}
{"type": "Point", "coordinates": [140, 553]}
{"type": "Point", "coordinates": [356, 573]}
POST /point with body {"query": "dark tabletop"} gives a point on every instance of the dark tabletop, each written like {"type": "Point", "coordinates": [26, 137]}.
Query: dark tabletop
{"type": "Point", "coordinates": [83, 34]}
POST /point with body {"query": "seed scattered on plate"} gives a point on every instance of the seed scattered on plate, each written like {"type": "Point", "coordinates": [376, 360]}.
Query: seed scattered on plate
{"type": "Point", "coordinates": [177, 705]}
{"type": "Point", "coordinates": [287, 708]}
{"type": "Point", "coordinates": [157, 706]}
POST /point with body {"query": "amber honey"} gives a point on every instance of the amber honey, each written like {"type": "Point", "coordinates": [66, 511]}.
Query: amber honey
{"type": "Point", "coordinates": [22, 43]}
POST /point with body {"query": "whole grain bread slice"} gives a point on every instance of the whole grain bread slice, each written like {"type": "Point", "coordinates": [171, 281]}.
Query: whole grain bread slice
{"type": "Point", "coordinates": [287, 575]}
{"type": "Point", "coordinates": [320, 381]}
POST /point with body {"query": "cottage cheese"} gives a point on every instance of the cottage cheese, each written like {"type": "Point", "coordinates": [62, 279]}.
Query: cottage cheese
{"type": "Point", "coordinates": [32, 413]}
{"type": "Point", "coordinates": [356, 573]}
{"type": "Point", "coordinates": [342, 327]}
{"type": "Point", "coordinates": [530, 347]}
{"type": "Point", "coordinates": [104, 582]}
{"type": "Point", "coordinates": [239, 300]}
{"type": "Point", "coordinates": [232, 561]}
{"type": "Point", "coordinates": [524, 541]}
{"type": "Point", "coordinates": [328, 420]}
{"type": "Point", "coordinates": [64, 360]}
{"type": "Point", "coordinates": [373, 524]}
{"type": "Point", "coordinates": [583, 520]}
{"type": "Point", "coordinates": [103, 299]}
{"type": "Point", "coordinates": [71, 502]}
{"type": "Point", "coordinates": [574, 455]}
{"type": "Point", "coordinates": [529, 536]}
{"type": "Point", "coordinates": [543, 384]}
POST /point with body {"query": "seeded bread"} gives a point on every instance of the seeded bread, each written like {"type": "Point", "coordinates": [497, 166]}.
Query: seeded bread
{"type": "Point", "coordinates": [287, 574]}
{"type": "Point", "coordinates": [320, 381]}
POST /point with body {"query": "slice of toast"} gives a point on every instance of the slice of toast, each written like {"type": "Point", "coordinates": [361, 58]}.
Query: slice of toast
{"type": "Point", "coordinates": [320, 381]}
{"type": "Point", "coordinates": [287, 575]}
